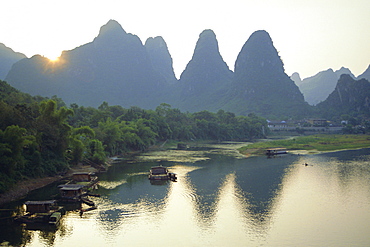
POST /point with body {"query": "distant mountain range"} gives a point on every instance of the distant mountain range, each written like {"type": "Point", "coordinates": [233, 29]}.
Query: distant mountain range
{"type": "Point", "coordinates": [117, 68]}
{"type": "Point", "coordinates": [318, 87]}
{"type": "Point", "coordinates": [7, 58]}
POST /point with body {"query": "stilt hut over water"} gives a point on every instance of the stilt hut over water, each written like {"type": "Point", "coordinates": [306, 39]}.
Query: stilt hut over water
{"type": "Point", "coordinates": [39, 206]}
{"type": "Point", "coordinates": [71, 192]}
{"type": "Point", "coordinates": [82, 177]}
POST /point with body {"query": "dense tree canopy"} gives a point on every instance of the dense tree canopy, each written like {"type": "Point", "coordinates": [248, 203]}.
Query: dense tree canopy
{"type": "Point", "coordinates": [42, 136]}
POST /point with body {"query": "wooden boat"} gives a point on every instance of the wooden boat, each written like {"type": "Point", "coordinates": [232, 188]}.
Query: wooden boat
{"type": "Point", "coordinates": [75, 193]}
{"type": "Point", "coordinates": [275, 151]}
{"type": "Point", "coordinates": [88, 209]}
{"type": "Point", "coordinates": [87, 201]}
{"type": "Point", "coordinates": [161, 173]}
{"type": "Point", "coordinates": [78, 188]}
{"type": "Point", "coordinates": [71, 192]}
{"type": "Point", "coordinates": [39, 211]}
{"type": "Point", "coordinates": [84, 178]}
{"type": "Point", "coordinates": [55, 218]}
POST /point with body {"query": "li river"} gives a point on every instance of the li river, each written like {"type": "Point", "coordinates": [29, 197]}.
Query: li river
{"type": "Point", "coordinates": [221, 201]}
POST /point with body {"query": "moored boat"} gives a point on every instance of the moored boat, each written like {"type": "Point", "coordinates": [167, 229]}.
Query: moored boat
{"type": "Point", "coordinates": [275, 151]}
{"type": "Point", "coordinates": [39, 211]}
{"type": "Point", "coordinates": [84, 178]}
{"type": "Point", "coordinates": [55, 218]}
{"type": "Point", "coordinates": [71, 192]}
{"type": "Point", "coordinates": [161, 173]}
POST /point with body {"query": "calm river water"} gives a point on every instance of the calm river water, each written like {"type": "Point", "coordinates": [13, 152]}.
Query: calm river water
{"type": "Point", "coordinates": [223, 201]}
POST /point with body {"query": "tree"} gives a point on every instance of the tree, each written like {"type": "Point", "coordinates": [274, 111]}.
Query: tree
{"type": "Point", "coordinates": [145, 134]}
{"type": "Point", "coordinates": [110, 135]}
{"type": "Point", "coordinates": [12, 142]}
{"type": "Point", "coordinates": [79, 140]}
{"type": "Point", "coordinates": [53, 129]}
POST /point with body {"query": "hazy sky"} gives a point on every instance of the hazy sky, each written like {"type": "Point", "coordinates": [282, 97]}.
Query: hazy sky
{"type": "Point", "coordinates": [311, 36]}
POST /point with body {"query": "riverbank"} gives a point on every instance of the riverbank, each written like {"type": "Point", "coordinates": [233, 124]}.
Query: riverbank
{"type": "Point", "coordinates": [311, 144]}
{"type": "Point", "coordinates": [201, 151]}
{"type": "Point", "coordinates": [196, 152]}
{"type": "Point", "coordinates": [22, 188]}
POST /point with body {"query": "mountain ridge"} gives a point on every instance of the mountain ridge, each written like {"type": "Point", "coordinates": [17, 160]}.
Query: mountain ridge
{"type": "Point", "coordinates": [260, 81]}
{"type": "Point", "coordinates": [116, 67]}
{"type": "Point", "coordinates": [8, 58]}
{"type": "Point", "coordinates": [350, 97]}
{"type": "Point", "coordinates": [318, 87]}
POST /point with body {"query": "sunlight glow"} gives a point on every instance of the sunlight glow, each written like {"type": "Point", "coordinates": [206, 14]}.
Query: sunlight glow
{"type": "Point", "coordinates": [54, 59]}
{"type": "Point", "coordinates": [53, 55]}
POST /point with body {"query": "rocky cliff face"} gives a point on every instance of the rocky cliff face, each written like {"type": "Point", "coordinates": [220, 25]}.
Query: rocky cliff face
{"type": "Point", "coordinates": [206, 77]}
{"type": "Point", "coordinates": [350, 96]}
{"type": "Point", "coordinates": [161, 58]}
{"type": "Point", "coordinates": [7, 58]}
{"type": "Point", "coordinates": [260, 84]}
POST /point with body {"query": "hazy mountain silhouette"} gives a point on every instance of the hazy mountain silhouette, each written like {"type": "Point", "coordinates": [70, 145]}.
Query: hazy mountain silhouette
{"type": "Point", "coordinates": [318, 87]}
{"type": "Point", "coordinates": [296, 78]}
{"type": "Point", "coordinates": [115, 67]}
{"type": "Point", "coordinates": [365, 75]}
{"type": "Point", "coordinates": [7, 58]}
{"type": "Point", "coordinates": [206, 78]}
{"type": "Point", "coordinates": [161, 58]}
{"type": "Point", "coordinates": [350, 96]}
{"type": "Point", "coordinates": [342, 71]}
{"type": "Point", "coordinates": [260, 84]}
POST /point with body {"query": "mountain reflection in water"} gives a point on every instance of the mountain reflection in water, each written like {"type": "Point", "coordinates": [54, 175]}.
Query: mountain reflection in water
{"type": "Point", "coordinates": [198, 204]}
{"type": "Point", "coordinates": [225, 202]}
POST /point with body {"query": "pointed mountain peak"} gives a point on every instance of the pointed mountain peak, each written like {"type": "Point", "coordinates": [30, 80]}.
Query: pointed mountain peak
{"type": "Point", "coordinates": [111, 26]}
{"type": "Point", "coordinates": [260, 80]}
{"type": "Point", "coordinates": [112, 31]}
{"type": "Point", "coordinates": [206, 57]}
{"type": "Point", "coordinates": [206, 69]}
{"type": "Point", "coordinates": [296, 78]}
{"type": "Point", "coordinates": [160, 57]}
{"type": "Point", "coordinates": [344, 70]}
{"type": "Point", "coordinates": [258, 55]}
{"type": "Point", "coordinates": [207, 39]}
{"type": "Point", "coordinates": [260, 35]}
{"type": "Point", "coordinates": [208, 34]}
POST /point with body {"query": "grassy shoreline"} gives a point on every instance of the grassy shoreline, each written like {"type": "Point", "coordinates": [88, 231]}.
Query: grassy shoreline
{"type": "Point", "coordinates": [313, 143]}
